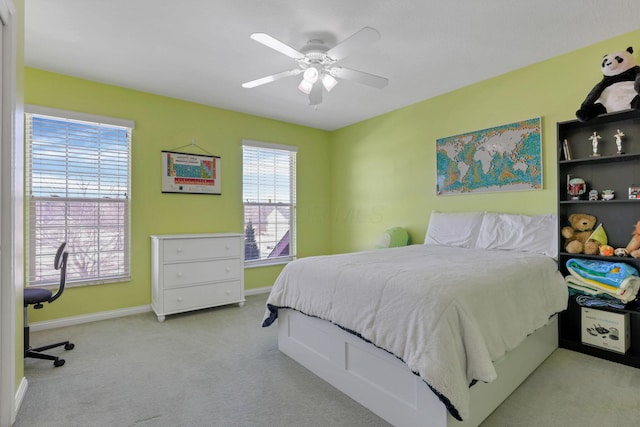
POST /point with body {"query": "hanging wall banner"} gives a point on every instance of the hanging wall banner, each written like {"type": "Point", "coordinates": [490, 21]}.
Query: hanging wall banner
{"type": "Point", "coordinates": [190, 173]}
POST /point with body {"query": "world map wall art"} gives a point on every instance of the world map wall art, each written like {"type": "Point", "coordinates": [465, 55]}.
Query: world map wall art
{"type": "Point", "coordinates": [501, 158]}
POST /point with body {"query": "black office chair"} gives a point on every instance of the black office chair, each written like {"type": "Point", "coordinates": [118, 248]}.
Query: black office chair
{"type": "Point", "coordinates": [35, 297]}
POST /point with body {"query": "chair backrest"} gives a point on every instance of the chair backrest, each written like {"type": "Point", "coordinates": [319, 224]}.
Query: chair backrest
{"type": "Point", "coordinates": [60, 263]}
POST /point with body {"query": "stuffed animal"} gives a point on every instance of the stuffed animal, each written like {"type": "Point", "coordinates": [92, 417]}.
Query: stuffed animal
{"type": "Point", "coordinates": [633, 248]}
{"type": "Point", "coordinates": [393, 238]}
{"type": "Point", "coordinates": [618, 90]}
{"type": "Point", "coordinates": [578, 233]}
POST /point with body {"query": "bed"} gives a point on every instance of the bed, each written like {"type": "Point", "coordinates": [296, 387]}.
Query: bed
{"type": "Point", "coordinates": [428, 335]}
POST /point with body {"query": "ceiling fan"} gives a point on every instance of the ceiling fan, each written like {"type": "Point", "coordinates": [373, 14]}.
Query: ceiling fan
{"type": "Point", "coordinates": [317, 64]}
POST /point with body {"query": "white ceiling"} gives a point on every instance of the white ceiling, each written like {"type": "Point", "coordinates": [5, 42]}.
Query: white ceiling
{"type": "Point", "coordinates": [200, 50]}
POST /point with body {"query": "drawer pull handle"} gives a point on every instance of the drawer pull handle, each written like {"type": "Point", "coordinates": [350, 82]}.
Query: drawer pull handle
{"type": "Point", "coordinates": [179, 274]}
{"type": "Point", "coordinates": [179, 250]}
{"type": "Point", "coordinates": [179, 299]}
{"type": "Point", "coordinates": [228, 269]}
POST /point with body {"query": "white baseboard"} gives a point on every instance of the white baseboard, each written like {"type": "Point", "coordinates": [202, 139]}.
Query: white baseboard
{"type": "Point", "coordinates": [103, 315]}
{"type": "Point", "coordinates": [258, 291]}
{"type": "Point", "coordinates": [20, 393]}
{"type": "Point", "coordinates": [93, 317]}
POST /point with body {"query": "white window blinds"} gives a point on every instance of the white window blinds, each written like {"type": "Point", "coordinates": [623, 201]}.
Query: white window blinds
{"type": "Point", "coordinates": [269, 198]}
{"type": "Point", "coordinates": [78, 192]}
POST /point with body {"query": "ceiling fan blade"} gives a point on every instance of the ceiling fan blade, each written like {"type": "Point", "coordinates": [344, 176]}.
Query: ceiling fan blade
{"type": "Point", "coordinates": [276, 44]}
{"type": "Point", "coordinates": [355, 42]}
{"type": "Point", "coordinates": [315, 97]}
{"type": "Point", "coordinates": [271, 78]}
{"type": "Point", "coordinates": [360, 77]}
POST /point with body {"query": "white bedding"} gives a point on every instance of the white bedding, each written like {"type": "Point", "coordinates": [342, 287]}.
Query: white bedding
{"type": "Point", "coordinates": [447, 312]}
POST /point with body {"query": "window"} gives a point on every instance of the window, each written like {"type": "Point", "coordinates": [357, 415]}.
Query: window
{"type": "Point", "coordinates": [78, 190]}
{"type": "Point", "coordinates": [269, 197]}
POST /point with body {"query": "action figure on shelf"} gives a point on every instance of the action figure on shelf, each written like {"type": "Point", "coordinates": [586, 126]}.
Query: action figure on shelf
{"type": "Point", "coordinates": [618, 136]}
{"type": "Point", "coordinates": [594, 142]}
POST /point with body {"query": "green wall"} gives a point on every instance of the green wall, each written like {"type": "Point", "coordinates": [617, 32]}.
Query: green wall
{"type": "Point", "coordinates": [381, 171]}
{"type": "Point", "coordinates": [384, 168]}
{"type": "Point", "coordinates": [163, 123]}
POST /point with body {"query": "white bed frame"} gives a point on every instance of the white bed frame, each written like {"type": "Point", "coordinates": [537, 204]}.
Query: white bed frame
{"type": "Point", "coordinates": [386, 386]}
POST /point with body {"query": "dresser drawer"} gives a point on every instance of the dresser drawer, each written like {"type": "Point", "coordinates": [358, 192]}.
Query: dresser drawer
{"type": "Point", "coordinates": [195, 297]}
{"type": "Point", "coordinates": [188, 273]}
{"type": "Point", "coordinates": [203, 248]}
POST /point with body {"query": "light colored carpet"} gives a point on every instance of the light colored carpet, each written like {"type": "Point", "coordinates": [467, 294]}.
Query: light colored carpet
{"type": "Point", "coordinates": [218, 367]}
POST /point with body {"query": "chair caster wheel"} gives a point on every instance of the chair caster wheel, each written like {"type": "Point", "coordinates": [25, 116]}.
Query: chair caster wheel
{"type": "Point", "coordinates": [69, 346]}
{"type": "Point", "coordinates": [58, 362]}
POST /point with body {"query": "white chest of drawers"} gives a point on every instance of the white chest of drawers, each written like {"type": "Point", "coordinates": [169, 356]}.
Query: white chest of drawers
{"type": "Point", "coordinates": [194, 271]}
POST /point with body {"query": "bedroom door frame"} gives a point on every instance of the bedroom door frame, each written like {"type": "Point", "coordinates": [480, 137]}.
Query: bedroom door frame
{"type": "Point", "coordinates": [10, 209]}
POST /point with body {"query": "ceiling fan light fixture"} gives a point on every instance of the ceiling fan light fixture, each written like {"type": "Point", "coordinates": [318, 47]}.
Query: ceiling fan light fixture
{"type": "Point", "coordinates": [305, 86]}
{"type": "Point", "coordinates": [328, 81]}
{"type": "Point", "coordinates": [311, 75]}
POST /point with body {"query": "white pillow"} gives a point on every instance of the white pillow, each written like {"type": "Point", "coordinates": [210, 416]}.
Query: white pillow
{"type": "Point", "coordinates": [537, 234]}
{"type": "Point", "coordinates": [453, 229]}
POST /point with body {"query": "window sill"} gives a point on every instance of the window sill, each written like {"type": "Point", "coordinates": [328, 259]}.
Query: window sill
{"type": "Point", "coordinates": [68, 285]}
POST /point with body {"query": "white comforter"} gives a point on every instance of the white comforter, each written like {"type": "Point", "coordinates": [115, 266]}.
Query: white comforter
{"type": "Point", "coordinates": [447, 312]}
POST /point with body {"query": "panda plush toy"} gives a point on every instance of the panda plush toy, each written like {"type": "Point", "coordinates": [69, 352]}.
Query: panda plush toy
{"type": "Point", "coordinates": [618, 90]}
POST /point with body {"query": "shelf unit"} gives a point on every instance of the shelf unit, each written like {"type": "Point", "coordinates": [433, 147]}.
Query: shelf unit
{"type": "Point", "coordinates": [609, 171]}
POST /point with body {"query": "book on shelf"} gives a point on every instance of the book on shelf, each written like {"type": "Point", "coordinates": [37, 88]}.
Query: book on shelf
{"type": "Point", "coordinates": [566, 149]}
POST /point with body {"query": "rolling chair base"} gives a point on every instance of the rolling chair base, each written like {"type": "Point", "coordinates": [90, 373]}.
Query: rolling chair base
{"type": "Point", "coordinates": [36, 352]}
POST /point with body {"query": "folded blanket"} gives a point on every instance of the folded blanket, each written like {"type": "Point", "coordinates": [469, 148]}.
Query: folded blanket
{"type": "Point", "coordinates": [593, 277]}
{"type": "Point", "coordinates": [615, 274]}
{"type": "Point", "coordinates": [626, 296]}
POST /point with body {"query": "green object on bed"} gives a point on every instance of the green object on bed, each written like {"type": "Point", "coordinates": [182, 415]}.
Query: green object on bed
{"type": "Point", "coordinates": [393, 238]}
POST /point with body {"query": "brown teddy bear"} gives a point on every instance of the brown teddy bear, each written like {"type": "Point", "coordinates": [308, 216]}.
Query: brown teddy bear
{"type": "Point", "coordinates": [577, 235]}
{"type": "Point", "coordinates": [633, 248]}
